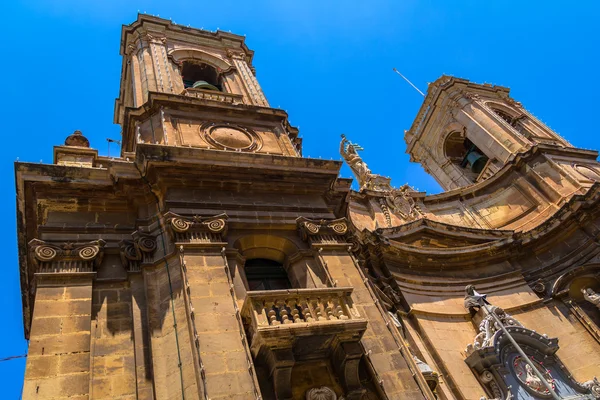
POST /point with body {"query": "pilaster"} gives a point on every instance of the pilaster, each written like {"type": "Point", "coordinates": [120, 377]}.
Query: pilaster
{"type": "Point", "coordinates": [386, 354]}
{"type": "Point", "coordinates": [225, 365]}
{"type": "Point", "coordinates": [58, 363]}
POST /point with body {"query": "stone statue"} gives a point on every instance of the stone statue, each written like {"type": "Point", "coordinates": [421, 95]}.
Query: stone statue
{"type": "Point", "coordinates": [473, 300]}
{"type": "Point", "coordinates": [591, 296]}
{"type": "Point", "coordinates": [349, 151]}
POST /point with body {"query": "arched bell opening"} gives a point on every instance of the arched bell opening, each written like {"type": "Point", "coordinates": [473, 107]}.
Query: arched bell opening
{"type": "Point", "coordinates": [200, 76]}
{"type": "Point", "coordinates": [465, 155]}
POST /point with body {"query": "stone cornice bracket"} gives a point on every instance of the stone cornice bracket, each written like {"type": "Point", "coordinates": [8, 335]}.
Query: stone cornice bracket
{"type": "Point", "coordinates": [66, 257]}
{"type": "Point", "coordinates": [201, 231]}
{"type": "Point", "coordinates": [323, 232]}
{"type": "Point", "coordinates": [138, 251]}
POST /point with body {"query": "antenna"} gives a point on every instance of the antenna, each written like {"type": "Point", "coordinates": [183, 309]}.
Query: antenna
{"type": "Point", "coordinates": [111, 141]}
{"type": "Point", "coordinates": [409, 82]}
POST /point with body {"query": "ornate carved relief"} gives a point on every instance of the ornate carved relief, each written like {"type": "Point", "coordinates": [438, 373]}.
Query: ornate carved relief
{"type": "Point", "coordinates": [66, 257]}
{"type": "Point", "coordinates": [320, 393]}
{"type": "Point", "coordinates": [323, 231]}
{"type": "Point", "coordinates": [402, 203]}
{"type": "Point", "coordinates": [231, 137]}
{"type": "Point", "coordinates": [488, 328]}
{"type": "Point", "coordinates": [138, 251]}
{"type": "Point", "coordinates": [199, 230]}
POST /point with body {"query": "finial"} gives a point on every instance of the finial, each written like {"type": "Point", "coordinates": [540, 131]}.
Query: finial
{"type": "Point", "coordinates": [77, 139]}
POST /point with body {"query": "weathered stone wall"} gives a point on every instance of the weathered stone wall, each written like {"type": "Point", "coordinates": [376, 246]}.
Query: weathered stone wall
{"type": "Point", "coordinates": [58, 362]}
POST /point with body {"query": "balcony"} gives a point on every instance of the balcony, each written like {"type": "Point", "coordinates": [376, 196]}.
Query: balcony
{"type": "Point", "coordinates": [305, 320]}
{"type": "Point", "coordinates": [214, 95]}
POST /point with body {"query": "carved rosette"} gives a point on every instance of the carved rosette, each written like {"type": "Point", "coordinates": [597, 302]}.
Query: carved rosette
{"type": "Point", "coordinates": [197, 230]}
{"type": "Point", "coordinates": [323, 232]}
{"type": "Point", "coordinates": [138, 251]}
{"type": "Point", "coordinates": [65, 257]}
{"type": "Point", "coordinates": [320, 393]}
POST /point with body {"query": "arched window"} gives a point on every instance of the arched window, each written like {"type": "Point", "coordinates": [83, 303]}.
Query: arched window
{"type": "Point", "coordinates": [265, 274]}
{"type": "Point", "coordinates": [200, 76]}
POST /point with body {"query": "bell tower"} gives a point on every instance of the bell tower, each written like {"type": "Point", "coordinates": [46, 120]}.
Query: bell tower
{"type": "Point", "coordinates": [188, 87]}
{"type": "Point", "coordinates": [466, 132]}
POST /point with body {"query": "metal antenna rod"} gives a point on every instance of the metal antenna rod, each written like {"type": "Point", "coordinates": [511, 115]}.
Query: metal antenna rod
{"type": "Point", "coordinates": [409, 82]}
{"type": "Point", "coordinates": [520, 350]}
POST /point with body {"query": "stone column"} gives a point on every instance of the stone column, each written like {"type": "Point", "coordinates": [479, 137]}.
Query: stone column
{"type": "Point", "coordinates": [384, 354]}
{"type": "Point", "coordinates": [226, 368]}
{"type": "Point", "coordinates": [58, 363]}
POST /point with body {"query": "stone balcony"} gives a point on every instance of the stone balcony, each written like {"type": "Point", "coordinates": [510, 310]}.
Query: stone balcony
{"type": "Point", "coordinates": [214, 95]}
{"type": "Point", "coordinates": [304, 320]}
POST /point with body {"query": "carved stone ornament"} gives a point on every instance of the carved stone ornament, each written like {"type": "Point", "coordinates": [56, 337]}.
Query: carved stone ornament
{"type": "Point", "coordinates": [401, 202]}
{"type": "Point", "coordinates": [488, 328]}
{"type": "Point", "coordinates": [322, 230]}
{"type": "Point", "coordinates": [76, 139]}
{"type": "Point", "coordinates": [230, 137]}
{"type": "Point", "coordinates": [320, 393]}
{"type": "Point", "coordinates": [137, 251]}
{"type": "Point", "coordinates": [240, 55]}
{"type": "Point", "coordinates": [66, 257]}
{"type": "Point", "coordinates": [197, 229]}
{"type": "Point", "coordinates": [591, 296]}
{"type": "Point", "coordinates": [593, 386]}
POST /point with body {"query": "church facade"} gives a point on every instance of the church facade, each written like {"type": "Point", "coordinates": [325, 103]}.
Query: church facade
{"type": "Point", "coordinates": [211, 260]}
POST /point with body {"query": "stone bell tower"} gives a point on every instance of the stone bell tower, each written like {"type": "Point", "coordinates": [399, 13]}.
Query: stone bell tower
{"type": "Point", "coordinates": [466, 132]}
{"type": "Point", "coordinates": [167, 68]}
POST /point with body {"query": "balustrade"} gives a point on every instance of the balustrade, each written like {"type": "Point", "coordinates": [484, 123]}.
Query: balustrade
{"type": "Point", "coordinates": [214, 95]}
{"type": "Point", "coordinates": [300, 306]}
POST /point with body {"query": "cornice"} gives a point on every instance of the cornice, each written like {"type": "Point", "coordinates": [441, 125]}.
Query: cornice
{"type": "Point", "coordinates": [169, 27]}
{"type": "Point", "coordinates": [507, 244]}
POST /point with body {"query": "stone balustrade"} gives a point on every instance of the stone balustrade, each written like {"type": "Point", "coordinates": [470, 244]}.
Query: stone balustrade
{"type": "Point", "coordinates": [214, 95]}
{"type": "Point", "coordinates": [294, 306]}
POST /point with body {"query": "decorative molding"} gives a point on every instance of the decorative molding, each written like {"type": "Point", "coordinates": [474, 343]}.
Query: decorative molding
{"type": "Point", "coordinates": [138, 251]}
{"type": "Point", "coordinates": [66, 257]}
{"type": "Point", "coordinates": [197, 230]}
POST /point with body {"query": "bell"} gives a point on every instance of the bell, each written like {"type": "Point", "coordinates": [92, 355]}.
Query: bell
{"type": "Point", "coordinates": [477, 161]}
{"type": "Point", "coordinates": [204, 85]}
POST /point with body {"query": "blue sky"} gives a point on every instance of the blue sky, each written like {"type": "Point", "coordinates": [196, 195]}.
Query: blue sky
{"type": "Point", "coordinates": [328, 63]}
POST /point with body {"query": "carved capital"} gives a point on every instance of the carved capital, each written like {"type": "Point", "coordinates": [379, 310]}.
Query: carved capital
{"type": "Point", "coordinates": [323, 231]}
{"type": "Point", "coordinates": [155, 38]}
{"type": "Point", "coordinates": [66, 257]}
{"type": "Point", "coordinates": [138, 251]}
{"type": "Point", "coordinates": [197, 230]}
{"type": "Point", "coordinates": [236, 54]}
